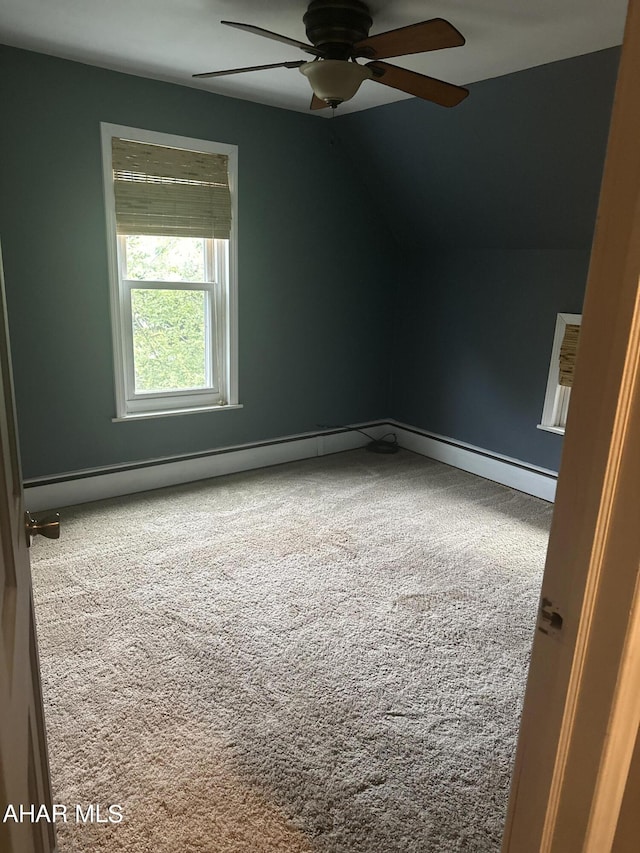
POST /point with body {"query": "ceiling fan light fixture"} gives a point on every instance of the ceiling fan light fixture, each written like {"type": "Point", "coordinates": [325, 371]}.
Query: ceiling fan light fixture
{"type": "Point", "coordinates": [335, 80]}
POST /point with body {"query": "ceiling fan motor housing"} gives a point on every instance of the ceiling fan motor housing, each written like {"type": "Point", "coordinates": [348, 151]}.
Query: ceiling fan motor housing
{"type": "Point", "coordinates": [335, 26]}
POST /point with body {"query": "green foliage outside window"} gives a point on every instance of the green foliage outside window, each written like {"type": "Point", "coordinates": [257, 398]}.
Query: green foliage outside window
{"type": "Point", "coordinates": [169, 326]}
{"type": "Point", "coordinates": [165, 258]}
{"type": "Point", "coordinates": [169, 339]}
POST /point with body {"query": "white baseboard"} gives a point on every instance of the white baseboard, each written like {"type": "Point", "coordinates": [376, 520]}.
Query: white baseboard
{"type": "Point", "coordinates": [88, 485]}
{"type": "Point", "coordinates": [96, 484]}
{"type": "Point", "coordinates": [536, 481]}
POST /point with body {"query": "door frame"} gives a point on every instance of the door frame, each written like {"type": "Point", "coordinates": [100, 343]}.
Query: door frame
{"type": "Point", "coordinates": [24, 761]}
{"type": "Point", "coordinates": [582, 704]}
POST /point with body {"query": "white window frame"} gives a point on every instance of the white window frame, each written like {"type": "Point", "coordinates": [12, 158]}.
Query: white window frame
{"type": "Point", "coordinates": [220, 287]}
{"type": "Point", "coordinates": [557, 397]}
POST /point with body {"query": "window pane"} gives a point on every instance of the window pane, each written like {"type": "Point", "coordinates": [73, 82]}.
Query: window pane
{"type": "Point", "coordinates": [164, 258]}
{"type": "Point", "coordinates": [169, 339]}
{"type": "Point", "coordinates": [564, 395]}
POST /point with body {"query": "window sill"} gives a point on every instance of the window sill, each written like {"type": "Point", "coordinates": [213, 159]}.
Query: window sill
{"type": "Point", "coordinates": [555, 429]}
{"type": "Point", "coordinates": [143, 416]}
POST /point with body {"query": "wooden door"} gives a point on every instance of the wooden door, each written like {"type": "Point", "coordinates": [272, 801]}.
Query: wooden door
{"type": "Point", "coordinates": [575, 773]}
{"type": "Point", "coordinates": [24, 770]}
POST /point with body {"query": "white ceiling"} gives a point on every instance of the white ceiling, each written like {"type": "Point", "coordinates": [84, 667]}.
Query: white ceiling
{"type": "Point", "coordinates": [172, 39]}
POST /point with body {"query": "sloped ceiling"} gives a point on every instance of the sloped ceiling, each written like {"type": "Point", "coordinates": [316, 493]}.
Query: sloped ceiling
{"type": "Point", "coordinates": [171, 39]}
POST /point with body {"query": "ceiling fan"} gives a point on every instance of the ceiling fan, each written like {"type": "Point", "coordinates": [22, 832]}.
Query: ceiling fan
{"type": "Point", "coordinates": [338, 32]}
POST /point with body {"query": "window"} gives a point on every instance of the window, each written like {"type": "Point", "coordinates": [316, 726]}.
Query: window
{"type": "Point", "coordinates": [563, 358]}
{"type": "Point", "coordinates": [171, 221]}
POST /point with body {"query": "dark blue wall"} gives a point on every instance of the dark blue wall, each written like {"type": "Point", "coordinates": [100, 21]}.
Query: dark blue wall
{"type": "Point", "coordinates": [492, 205]}
{"type": "Point", "coordinates": [311, 280]}
{"type": "Point", "coordinates": [473, 337]}
{"type": "Point", "coordinates": [405, 261]}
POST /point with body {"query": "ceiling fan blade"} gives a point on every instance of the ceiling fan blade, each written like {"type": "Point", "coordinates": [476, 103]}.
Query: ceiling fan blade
{"type": "Point", "coordinates": [308, 48]}
{"type": "Point", "coordinates": [317, 103]}
{"type": "Point", "coordinates": [445, 94]}
{"type": "Point", "coordinates": [416, 38]}
{"type": "Point", "coordinates": [295, 64]}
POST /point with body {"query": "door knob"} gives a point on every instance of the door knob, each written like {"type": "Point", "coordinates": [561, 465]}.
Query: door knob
{"type": "Point", "coordinates": [48, 526]}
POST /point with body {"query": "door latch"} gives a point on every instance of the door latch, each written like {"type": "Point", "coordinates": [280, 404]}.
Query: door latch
{"type": "Point", "coordinates": [49, 526]}
{"type": "Point", "coordinates": [549, 618]}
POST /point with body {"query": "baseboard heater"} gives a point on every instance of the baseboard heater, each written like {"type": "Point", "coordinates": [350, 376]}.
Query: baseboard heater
{"type": "Point", "coordinates": [98, 483]}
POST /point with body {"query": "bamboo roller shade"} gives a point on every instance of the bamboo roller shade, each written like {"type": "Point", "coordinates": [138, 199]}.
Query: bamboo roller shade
{"type": "Point", "coordinates": [568, 352]}
{"type": "Point", "coordinates": [170, 191]}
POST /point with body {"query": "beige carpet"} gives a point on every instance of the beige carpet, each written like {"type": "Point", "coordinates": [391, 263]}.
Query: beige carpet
{"type": "Point", "coordinates": [327, 656]}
